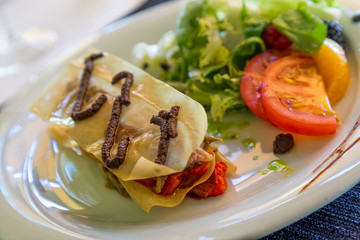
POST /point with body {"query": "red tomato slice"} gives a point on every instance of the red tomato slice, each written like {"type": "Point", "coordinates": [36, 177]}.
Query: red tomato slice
{"type": "Point", "coordinates": [252, 80]}
{"type": "Point", "coordinates": [294, 97]}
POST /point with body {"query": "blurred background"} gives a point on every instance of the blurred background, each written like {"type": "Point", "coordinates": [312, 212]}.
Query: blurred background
{"type": "Point", "coordinates": [34, 32]}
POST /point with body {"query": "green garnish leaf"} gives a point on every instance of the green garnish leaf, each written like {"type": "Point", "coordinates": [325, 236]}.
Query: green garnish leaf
{"type": "Point", "coordinates": [303, 28]}
{"type": "Point", "coordinates": [243, 52]}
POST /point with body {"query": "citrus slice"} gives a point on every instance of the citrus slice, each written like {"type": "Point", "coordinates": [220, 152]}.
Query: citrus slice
{"type": "Point", "coordinates": [332, 64]}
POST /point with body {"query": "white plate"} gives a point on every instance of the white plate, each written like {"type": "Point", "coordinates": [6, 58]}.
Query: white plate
{"type": "Point", "coordinates": [49, 192]}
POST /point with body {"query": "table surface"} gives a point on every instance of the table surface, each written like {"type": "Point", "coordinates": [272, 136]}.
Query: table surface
{"type": "Point", "coordinates": [339, 219]}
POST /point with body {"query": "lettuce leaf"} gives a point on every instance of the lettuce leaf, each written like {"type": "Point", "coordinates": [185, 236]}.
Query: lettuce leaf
{"type": "Point", "coordinates": [270, 9]}
{"type": "Point", "coordinates": [301, 27]}
{"type": "Point", "coordinates": [243, 52]}
{"type": "Point", "coordinates": [224, 101]}
{"type": "Point", "coordinates": [188, 35]}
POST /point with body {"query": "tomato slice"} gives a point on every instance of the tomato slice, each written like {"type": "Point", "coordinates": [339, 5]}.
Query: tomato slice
{"type": "Point", "coordinates": [251, 82]}
{"type": "Point", "coordinates": [295, 99]}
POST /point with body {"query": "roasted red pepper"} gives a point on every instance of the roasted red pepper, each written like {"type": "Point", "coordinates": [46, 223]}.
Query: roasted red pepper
{"type": "Point", "coordinates": [171, 183]}
{"type": "Point", "coordinates": [212, 187]}
{"type": "Point", "coordinates": [215, 185]}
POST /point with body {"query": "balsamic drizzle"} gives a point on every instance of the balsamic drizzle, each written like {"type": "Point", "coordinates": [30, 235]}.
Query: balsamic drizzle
{"type": "Point", "coordinates": [337, 154]}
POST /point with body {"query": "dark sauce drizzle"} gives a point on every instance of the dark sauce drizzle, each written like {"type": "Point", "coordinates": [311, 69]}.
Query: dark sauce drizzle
{"type": "Point", "coordinates": [166, 120]}
{"type": "Point", "coordinates": [337, 153]}
{"type": "Point", "coordinates": [76, 113]}
{"type": "Point", "coordinates": [125, 90]}
{"type": "Point", "coordinates": [168, 129]}
{"type": "Point", "coordinates": [123, 99]}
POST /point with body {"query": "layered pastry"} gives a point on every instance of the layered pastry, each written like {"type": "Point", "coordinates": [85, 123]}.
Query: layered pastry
{"type": "Point", "coordinates": [149, 138]}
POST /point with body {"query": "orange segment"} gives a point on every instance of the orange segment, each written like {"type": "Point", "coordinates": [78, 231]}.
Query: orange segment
{"type": "Point", "coordinates": [332, 64]}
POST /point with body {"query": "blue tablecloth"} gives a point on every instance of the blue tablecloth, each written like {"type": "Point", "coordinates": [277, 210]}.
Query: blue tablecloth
{"type": "Point", "coordinates": [339, 219]}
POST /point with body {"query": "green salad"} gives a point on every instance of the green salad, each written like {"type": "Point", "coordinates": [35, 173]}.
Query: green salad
{"type": "Point", "coordinates": [205, 55]}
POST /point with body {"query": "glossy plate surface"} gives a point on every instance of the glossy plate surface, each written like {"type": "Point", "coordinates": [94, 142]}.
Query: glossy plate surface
{"type": "Point", "coordinates": [52, 192]}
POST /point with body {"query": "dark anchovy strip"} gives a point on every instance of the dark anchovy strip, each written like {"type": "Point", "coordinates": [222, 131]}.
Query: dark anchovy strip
{"type": "Point", "coordinates": [76, 113]}
{"type": "Point", "coordinates": [168, 129]}
{"type": "Point", "coordinates": [123, 99]}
